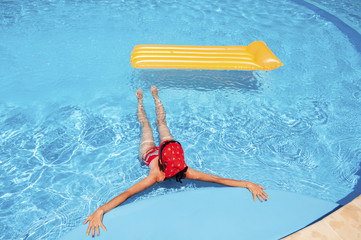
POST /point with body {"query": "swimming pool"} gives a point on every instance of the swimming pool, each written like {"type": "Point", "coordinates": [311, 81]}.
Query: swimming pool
{"type": "Point", "coordinates": [69, 131]}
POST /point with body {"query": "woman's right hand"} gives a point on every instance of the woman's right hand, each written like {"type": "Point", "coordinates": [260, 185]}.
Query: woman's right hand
{"type": "Point", "coordinates": [95, 220]}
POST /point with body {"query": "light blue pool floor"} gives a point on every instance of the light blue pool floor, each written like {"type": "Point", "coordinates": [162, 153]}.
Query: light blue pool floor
{"type": "Point", "coordinates": [210, 213]}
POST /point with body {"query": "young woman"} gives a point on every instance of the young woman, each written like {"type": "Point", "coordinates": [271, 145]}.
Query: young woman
{"type": "Point", "coordinates": [164, 161]}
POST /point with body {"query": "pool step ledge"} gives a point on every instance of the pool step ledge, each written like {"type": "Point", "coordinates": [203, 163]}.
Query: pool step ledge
{"type": "Point", "coordinates": [210, 213]}
{"type": "Point", "coordinates": [344, 223]}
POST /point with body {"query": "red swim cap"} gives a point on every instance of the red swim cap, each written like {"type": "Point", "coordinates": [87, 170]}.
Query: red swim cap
{"type": "Point", "coordinates": [171, 156]}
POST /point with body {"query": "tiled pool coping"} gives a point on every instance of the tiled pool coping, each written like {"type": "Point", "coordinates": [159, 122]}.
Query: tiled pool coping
{"type": "Point", "coordinates": [344, 223]}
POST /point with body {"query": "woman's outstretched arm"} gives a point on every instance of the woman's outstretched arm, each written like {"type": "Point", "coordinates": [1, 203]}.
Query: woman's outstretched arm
{"type": "Point", "coordinates": [95, 220]}
{"type": "Point", "coordinates": [255, 189]}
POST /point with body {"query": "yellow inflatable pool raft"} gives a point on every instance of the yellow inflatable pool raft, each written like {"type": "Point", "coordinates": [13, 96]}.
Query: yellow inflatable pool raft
{"type": "Point", "coordinates": [252, 57]}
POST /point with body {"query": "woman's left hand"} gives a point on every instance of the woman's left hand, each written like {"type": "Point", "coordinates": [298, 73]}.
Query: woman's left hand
{"type": "Point", "coordinates": [257, 190]}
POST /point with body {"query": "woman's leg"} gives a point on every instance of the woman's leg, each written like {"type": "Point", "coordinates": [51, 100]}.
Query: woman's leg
{"type": "Point", "coordinates": [146, 140]}
{"type": "Point", "coordinates": [164, 133]}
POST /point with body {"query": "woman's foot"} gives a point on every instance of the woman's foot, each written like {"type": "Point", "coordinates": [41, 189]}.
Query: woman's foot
{"type": "Point", "coordinates": [154, 90]}
{"type": "Point", "coordinates": [139, 94]}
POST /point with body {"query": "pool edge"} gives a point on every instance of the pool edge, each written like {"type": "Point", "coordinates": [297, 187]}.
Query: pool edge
{"type": "Point", "coordinates": [344, 223]}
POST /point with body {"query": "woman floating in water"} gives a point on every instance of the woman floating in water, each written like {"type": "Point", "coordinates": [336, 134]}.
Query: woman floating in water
{"type": "Point", "coordinates": [164, 161]}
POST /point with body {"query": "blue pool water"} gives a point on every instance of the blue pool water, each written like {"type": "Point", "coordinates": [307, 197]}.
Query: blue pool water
{"type": "Point", "coordinates": [68, 126]}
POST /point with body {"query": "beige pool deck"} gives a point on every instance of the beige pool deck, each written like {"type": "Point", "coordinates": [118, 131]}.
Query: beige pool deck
{"type": "Point", "coordinates": [343, 224]}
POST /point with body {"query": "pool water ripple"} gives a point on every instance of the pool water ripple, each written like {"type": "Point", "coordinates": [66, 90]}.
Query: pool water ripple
{"type": "Point", "coordinates": [348, 155]}
{"type": "Point", "coordinates": [40, 154]}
